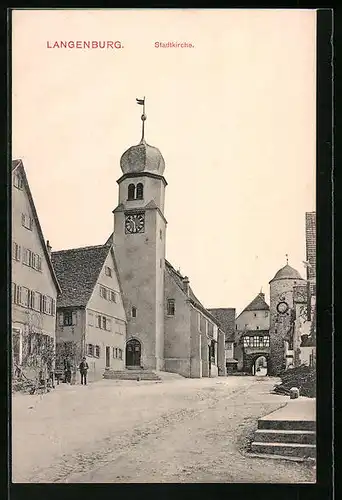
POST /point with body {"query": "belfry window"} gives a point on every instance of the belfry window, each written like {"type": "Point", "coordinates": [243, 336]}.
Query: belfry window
{"type": "Point", "coordinates": [140, 191]}
{"type": "Point", "coordinates": [131, 192]}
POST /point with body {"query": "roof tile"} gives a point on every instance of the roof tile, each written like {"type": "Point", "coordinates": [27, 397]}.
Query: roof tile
{"type": "Point", "coordinates": [77, 270]}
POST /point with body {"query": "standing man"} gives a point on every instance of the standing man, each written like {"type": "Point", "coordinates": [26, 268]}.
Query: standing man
{"type": "Point", "coordinates": [83, 371]}
{"type": "Point", "coordinates": [67, 370]}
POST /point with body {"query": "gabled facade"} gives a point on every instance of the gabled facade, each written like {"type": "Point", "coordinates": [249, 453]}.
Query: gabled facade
{"type": "Point", "coordinates": [34, 283]}
{"type": "Point", "coordinates": [91, 319]}
{"type": "Point", "coordinates": [252, 333]}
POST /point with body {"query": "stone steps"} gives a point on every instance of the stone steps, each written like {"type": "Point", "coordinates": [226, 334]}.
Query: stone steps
{"type": "Point", "coordinates": [284, 449]}
{"type": "Point", "coordinates": [130, 375]}
{"type": "Point", "coordinates": [291, 425]}
{"type": "Point", "coordinates": [285, 436]}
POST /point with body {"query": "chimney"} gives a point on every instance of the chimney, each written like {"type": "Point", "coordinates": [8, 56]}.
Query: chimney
{"type": "Point", "coordinates": [49, 248]}
{"type": "Point", "coordinates": [186, 284]}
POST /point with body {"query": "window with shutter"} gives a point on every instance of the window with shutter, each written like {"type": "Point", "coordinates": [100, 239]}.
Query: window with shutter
{"type": "Point", "coordinates": [113, 296]}
{"type": "Point", "coordinates": [18, 295]}
{"type": "Point", "coordinates": [90, 319]}
{"type": "Point", "coordinates": [109, 325]}
{"type": "Point", "coordinates": [98, 320]}
{"type": "Point", "coordinates": [24, 296]}
{"type": "Point", "coordinates": [97, 351]}
{"type": "Point", "coordinates": [25, 257]}
{"type": "Point", "coordinates": [104, 322]}
{"type": "Point", "coordinates": [74, 318]}
{"type": "Point", "coordinates": [67, 318]}
{"type": "Point", "coordinates": [61, 319]}
{"type": "Point", "coordinates": [120, 353]}
{"type": "Point", "coordinates": [14, 289]}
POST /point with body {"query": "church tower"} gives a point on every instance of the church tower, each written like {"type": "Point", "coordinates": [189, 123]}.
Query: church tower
{"type": "Point", "coordinates": [139, 242]}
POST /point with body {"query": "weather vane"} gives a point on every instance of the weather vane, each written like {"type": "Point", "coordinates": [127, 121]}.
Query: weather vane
{"type": "Point", "coordinates": [143, 117]}
{"type": "Point", "coordinates": [287, 258]}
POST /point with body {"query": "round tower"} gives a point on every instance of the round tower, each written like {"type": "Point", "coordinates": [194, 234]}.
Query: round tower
{"type": "Point", "coordinates": [281, 314]}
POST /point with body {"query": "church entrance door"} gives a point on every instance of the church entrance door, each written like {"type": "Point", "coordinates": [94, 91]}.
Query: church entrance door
{"type": "Point", "coordinates": [133, 353]}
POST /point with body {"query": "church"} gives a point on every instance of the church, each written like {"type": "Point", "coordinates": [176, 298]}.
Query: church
{"type": "Point", "coordinates": [122, 303]}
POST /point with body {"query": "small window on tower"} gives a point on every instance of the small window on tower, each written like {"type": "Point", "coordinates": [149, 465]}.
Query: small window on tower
{"type": "Point", "coordinates": [134, 312]}
{"type": "Point", "coordinates": [131, 192]}
{"type": "Point", "coordinates": [140, 191]}
{"type": "Point", "coordinates": [161, 234]}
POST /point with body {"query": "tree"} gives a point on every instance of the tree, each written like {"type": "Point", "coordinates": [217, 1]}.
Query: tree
{"type": "Point", "coordinates": [37, 353]}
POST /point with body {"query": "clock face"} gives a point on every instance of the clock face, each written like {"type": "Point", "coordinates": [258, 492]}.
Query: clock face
{"type": "Point", "coordinates": [282, 307]}
{"type": "Point", "coordinates": [135, 223]}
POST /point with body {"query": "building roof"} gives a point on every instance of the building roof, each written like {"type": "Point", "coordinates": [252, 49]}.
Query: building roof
{"type": "Point", "coordinates": [17, 165]}
{"type": "Point", "coordinates": [78, 270]}
{"type": "Point", "coordinates": [251, 333]}
{"type": "Point", "coordinates": [285, 273]}
{"type": "Point", "coordinates": [178, 279]}
{"type": "Point", "coordinates": [226, 318]}
{"type": "Point", "coordinates": [258, 304]}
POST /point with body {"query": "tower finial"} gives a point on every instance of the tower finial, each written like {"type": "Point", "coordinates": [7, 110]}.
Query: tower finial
{"type": "Point", "coordinates": [143, 118]}
{"type": "Point", "coordinates": [287, 259]}
{"type": "Point", "coordinates": [261, 290]}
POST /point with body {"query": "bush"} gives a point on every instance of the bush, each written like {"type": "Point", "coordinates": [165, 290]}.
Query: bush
{"type": "Point", "coordinates": [303, 377]}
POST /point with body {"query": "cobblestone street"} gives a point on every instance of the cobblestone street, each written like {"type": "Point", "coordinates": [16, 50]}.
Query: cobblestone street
{"type": "Point", "coordinates": [178, 430]}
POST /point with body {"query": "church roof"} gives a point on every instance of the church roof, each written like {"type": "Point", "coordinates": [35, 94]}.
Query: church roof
{"type": "Point", "coordinates": [78, 270]}
{"type": "Point", "coordinates": [19, 166]}
{"type": "Point", "coordinates": [285, 273]}
{"type": "Point", "coordinates": [226, 317]}
{"type": "Point", "coordinates": [258, 304]}
{"type": "Point", "coordinates": [178, 278]}
{"type": "Point", "coordinates": [142, 158]}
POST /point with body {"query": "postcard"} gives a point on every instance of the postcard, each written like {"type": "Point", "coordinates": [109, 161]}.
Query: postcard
{"type": "Point", "coordinates": [163, 323]}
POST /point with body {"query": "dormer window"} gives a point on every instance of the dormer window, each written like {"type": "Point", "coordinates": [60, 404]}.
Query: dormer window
{"type": "Point", "coordinates": [140, 191]}
{"type": "Point", "coordinates": [131, 192]}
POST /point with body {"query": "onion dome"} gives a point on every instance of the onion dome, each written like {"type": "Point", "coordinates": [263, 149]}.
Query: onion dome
{"type": "Point", "coordinates": [287, 273]}
{"type": "Point", "coordinates": [142, 158]}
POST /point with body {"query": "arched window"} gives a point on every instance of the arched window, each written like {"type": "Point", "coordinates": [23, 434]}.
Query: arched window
{"type": "Point", "coordinates": [140, 191]}
{"type": "Point", "coordinates": [134, 312]}
{"type": "Point", "coordinates": [131, 192]}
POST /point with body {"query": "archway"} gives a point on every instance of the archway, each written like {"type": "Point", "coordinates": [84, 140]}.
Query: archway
{"type": "Point", "coordinates": [133, 353]}
{"type": "Point", "coordinates": [260, 366]}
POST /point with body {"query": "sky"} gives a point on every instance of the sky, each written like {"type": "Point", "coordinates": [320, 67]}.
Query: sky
{"type": "Point", "coordinates": [234, 117]}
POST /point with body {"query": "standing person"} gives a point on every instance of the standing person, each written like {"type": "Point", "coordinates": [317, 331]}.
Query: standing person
{"type": "Point", "coordinates": [67, 365]}
{"type": "Point", "coordinates": [83, 371]}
